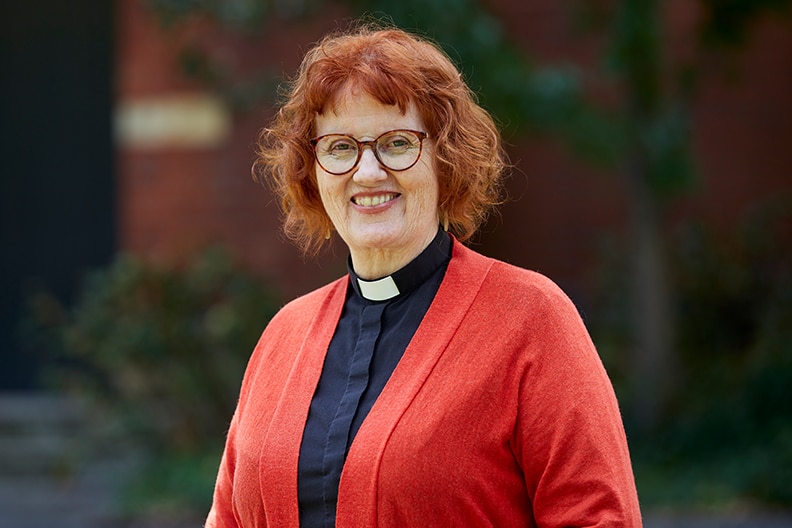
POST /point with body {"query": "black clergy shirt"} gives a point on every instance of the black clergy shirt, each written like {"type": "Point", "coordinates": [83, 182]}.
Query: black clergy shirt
{"type": "Point", "coordinates": [369, 341]}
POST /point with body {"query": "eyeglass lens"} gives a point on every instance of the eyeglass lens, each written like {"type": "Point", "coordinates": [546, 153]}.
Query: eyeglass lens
{"type": "Point", "coordinates": [397, 150]}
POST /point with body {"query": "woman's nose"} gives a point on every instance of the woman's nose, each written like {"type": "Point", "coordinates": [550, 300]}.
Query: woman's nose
{"type": "Point", "coordinates": [369, 168]}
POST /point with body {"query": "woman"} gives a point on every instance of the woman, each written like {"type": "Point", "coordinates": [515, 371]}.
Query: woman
{"type": "Point", "coordinates": [432, 386]}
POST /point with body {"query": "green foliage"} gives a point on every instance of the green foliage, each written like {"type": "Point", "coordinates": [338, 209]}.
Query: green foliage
{"type": "Point", "coordinates": [163, 348]}
{"type": "Point", "coordinates": [167, 347]}
{"type": "Point", "coordinates": [636, 51]}
{"type": "Point", "coordinates": [726, 22]}
{"type": "Point", "coordinates": [728, 435]}
{"type": "Point", "coordinates": [242, 15]}
{"type": "Point", "coordinates": [737, 341]}
{"type": "Point", "coordinates": [655, 119]}
{"type": "Point", "coordinates": [173, 485]}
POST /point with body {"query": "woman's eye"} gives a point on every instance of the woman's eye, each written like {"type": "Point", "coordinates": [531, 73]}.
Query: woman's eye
{"type": "Point", "coordinates": [396, 143]}
{"type": "Point", "coordinates": [341, 147]}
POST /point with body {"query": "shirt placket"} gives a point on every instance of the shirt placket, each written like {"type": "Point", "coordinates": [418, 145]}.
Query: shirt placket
{"type": "Point", "coordinates": [339, 432]}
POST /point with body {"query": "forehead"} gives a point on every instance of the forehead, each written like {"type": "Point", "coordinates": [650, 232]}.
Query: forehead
{"type": "Point", "coordinates": [357, 113]}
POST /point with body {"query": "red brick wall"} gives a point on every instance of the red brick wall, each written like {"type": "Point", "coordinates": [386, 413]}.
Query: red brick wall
{"type": "Point", "coordinates": [176, 199]}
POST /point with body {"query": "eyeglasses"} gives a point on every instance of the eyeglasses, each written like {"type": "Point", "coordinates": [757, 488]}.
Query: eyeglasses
{"type": "Point", "coordinates": [396, 150]}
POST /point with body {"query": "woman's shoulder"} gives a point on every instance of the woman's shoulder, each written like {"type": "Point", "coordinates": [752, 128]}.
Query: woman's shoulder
{"type": "Point", "coordinates": [525, 280]}
{"type": "Point", "coordinates": [508, 278]}
{"type": "Point", "coordinates": [294, 320]}
{"type": "Point", "coordinates": [519, 295]}
{"type": "Point", "coordinates": [307, 305]}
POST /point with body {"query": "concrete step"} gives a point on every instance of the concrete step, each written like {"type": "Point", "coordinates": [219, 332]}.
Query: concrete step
{"type": "Point", "coordinates": [41, 433]}
{"type": "Point", "coordinates": [58, 466]}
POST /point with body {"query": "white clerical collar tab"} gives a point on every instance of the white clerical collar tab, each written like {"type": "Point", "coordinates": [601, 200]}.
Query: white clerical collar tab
{"type": "Point", "coordinates": [378, 290]}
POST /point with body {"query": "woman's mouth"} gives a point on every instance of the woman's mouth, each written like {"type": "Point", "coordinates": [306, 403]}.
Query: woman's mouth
{"type": "Point", "coordinates": [373, 200]}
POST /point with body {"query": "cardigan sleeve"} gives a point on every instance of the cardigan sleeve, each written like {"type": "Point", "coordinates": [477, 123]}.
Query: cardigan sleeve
{"type": "Point", "coordinates": [274, 363]}
{"type": "Point", "coordinates": [233, 487]}
{"type": "Point", "coordinates": [569, 436]}
{"type": "Point", "coordinates": [223, 513]}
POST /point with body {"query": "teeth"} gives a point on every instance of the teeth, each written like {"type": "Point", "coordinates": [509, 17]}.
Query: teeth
{"type": "Point", "coordinates": [371, 201]}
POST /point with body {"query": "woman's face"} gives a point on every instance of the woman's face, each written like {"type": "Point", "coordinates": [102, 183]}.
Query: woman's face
{"type": "Point", "coordinates": [375, 210]}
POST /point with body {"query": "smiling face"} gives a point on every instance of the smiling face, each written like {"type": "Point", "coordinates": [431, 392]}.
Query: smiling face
{"type": "Point", "coordinates": [385, 217]}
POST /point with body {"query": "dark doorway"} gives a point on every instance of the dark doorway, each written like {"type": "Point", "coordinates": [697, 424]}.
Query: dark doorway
{"type": "Point", "coordinates": [56, 160]}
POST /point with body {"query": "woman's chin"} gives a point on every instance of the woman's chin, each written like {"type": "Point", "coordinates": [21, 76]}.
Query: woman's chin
{"type": "Point", "coordinates": [390, 236]}
{"type": "Point", "coordinates": [370, 240]}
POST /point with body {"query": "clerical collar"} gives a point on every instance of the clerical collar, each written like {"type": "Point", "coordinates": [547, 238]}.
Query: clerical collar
{"type": "Point", "coordinates": [406, 279]}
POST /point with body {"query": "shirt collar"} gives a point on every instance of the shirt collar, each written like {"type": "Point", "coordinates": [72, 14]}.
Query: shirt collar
{"type": "Point", "coordinates": [406, 279]}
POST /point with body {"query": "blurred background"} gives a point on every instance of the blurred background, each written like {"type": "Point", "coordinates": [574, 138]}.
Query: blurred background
{"type": "Point", "coordinates": [652, 179]}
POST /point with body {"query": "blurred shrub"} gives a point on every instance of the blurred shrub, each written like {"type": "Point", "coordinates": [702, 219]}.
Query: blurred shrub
{"type": "Point", "coordinates": [164, 348]}
{"type": "Point", "coordinates": [736, 308]}
{"type": "Point", "coordinates": [735, 345]}
{"type": "Point", "coordinates": [728, 435]}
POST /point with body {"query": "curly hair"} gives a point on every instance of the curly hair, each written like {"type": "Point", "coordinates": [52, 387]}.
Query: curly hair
{"type": "Point", "coordinates": [396, 68]}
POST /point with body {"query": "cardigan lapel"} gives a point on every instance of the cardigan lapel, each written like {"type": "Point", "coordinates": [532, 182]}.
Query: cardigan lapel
{"type": "Point", "coordinates": [281, 445]}
{"type": "Point", "coordinates": [357, 502]}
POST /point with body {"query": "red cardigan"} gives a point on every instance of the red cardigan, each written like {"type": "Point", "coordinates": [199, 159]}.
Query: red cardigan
{"type": "Point", "coordinates": [500, 413]}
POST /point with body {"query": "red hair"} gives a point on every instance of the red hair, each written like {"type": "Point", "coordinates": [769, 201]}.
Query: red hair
{"type": "Point", "coordinates": [395, 68]}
